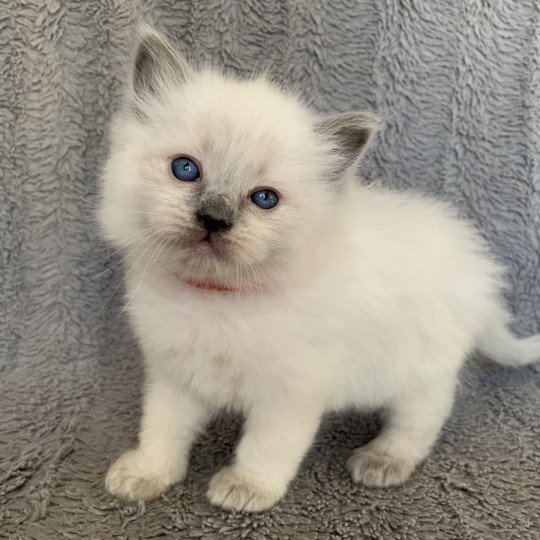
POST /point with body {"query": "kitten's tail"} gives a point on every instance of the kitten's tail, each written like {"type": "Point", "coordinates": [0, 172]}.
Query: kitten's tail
{"type": "Point", "coordinates": [499, 344]}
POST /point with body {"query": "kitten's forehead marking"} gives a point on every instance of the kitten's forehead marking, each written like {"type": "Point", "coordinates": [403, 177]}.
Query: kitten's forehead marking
{"type": "Point", "coordinates": [228, 144]}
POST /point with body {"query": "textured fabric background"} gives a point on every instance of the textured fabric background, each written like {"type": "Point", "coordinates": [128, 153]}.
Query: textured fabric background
{"type": "Point", "coordinates": [458, 83]}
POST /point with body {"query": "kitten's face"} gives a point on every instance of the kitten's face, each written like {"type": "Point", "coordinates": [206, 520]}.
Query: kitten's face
{"type": "Point", "coordinates": [215, 178]}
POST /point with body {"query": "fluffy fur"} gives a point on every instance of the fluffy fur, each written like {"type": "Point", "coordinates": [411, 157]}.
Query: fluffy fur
{"type": "Point", "coordinates": [341, 296]}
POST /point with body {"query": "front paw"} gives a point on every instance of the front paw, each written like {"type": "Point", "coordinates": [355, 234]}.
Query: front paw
{"type": "Point", "coordinates": [231, 490]}
{"type": "Point", "coordinates": [132, 477]}
{"type": "Point", "coordinates": [378, 469]}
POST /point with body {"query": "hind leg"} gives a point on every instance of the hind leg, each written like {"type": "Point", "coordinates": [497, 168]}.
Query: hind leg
{"type": "Point", "coordinates": [414, 421]}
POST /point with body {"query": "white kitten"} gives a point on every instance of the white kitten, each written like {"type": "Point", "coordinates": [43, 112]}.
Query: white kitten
{"type": "Point", "coordinates": [262, 278]}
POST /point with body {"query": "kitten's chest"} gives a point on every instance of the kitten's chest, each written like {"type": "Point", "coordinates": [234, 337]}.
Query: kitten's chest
{"type": "Point", "coordinates": [217, 379]}
{"type": "Point", "coordinates": [222, 355]}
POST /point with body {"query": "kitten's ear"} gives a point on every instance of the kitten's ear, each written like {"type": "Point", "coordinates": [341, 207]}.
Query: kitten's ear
{"type": "Point", "coordinates": [157, 64]}
{"type": "Point", "coordinates": [351, 134]}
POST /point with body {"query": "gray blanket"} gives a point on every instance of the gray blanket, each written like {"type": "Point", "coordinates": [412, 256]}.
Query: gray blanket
{"type": "Point", "coordinates": [458, 85]}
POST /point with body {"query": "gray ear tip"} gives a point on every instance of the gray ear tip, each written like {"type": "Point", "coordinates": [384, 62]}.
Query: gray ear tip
{"type": "Point", "coordinates": [350, 133]}
{"type": "Point", "coordinates": [144, 31]}
{"type": "Point", "coordinates": [148, 38]}
{"type": "Point", "coordinates": [371, 121]}
{"type": "Point", "coordinates": [157, 63]}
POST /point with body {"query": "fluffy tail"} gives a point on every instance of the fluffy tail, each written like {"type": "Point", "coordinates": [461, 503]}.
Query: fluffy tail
{"type": "Point", "coordinates": [499, 344]}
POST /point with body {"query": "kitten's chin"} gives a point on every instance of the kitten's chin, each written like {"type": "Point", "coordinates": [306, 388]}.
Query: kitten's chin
{"type": "Point", "coordinates": [198, 249]}
{"type": "Point", "coordinates": [208, 259]}
{"type": "Point", "coordinates": [209, 246]}
{"type": "Point", "coordinates": [200, 260]}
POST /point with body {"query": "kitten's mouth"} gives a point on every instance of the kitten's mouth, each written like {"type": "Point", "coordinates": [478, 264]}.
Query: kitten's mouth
{"type": "Point", "coordinates": [210, 244]}
{"type": "Point", "coordinates": [202, 247]}
{"type": "Point", "coordinates": [206, 246]}
{"type": "Point", "coordinates": [208, 253]}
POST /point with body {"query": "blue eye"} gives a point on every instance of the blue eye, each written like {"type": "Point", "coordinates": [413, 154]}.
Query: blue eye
{"type": "Point", "coordinates": [185, 169]}
{"type": "Point", "coordinates": [264, 198]}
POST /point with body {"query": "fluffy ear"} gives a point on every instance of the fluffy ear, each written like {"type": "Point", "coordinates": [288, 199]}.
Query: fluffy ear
{"type": "Point", "coordinates": [157, 64]}
{"type": "Point", "coordinates": [351, 133]}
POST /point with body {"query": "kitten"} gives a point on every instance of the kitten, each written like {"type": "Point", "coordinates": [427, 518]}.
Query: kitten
{"type": "Point", "coordinates": [263, 279]}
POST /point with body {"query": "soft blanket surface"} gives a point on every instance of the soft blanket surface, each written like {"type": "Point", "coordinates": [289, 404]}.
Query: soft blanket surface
{"type": "Point", "coordinates": [458, 85]}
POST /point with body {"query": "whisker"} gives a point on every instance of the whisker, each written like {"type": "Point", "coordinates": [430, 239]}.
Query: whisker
{"type": "Point", "coordinates": [255, 267]}
{"type": "Point", "coordinates": [149, 264]}
{"type": "Point", "coordinates": [241, 279]}
{"type": "Point", "coordinates": [268, 280]}
{"type": "Point", "coordinates": [129, 271]}
{"type": "Point", "coordinates": [281, 276]}
{"type": "Point", "coordinates": [128, 243]}
{"type": "Point", "coordinates": [236, 271]}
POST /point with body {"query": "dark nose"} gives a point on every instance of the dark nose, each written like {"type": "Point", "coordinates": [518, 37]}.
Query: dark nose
{"type": "Point", "coordinates": [212, 224]}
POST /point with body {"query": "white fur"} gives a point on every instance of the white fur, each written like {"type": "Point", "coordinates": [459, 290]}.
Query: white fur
{"type": "Point", "coordinates": [359, 296]}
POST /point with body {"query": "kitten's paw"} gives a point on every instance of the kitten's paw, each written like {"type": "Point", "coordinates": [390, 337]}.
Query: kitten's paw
{"type": "Point", "coordinates": [378, 469]}
{"type": "Point", "coordinates": [229, 490]}
{"type": "Point", "coordinates": [132, 478]}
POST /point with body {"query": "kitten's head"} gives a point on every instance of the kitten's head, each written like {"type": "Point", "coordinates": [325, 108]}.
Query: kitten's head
{"type": "Point", "coordinates": [212, 177]}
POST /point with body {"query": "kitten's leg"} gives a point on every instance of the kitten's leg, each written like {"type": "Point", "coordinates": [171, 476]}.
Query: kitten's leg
{"type": "Point", "coordinates": [413, 423]}
{"type": "Point", "coordinates": [267, 458]}
{"type": "Point", "coordinates": [171, 419]}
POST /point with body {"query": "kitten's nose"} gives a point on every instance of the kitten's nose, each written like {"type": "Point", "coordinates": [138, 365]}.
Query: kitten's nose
{"type": "Point", "coordinates": [212, 224]}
